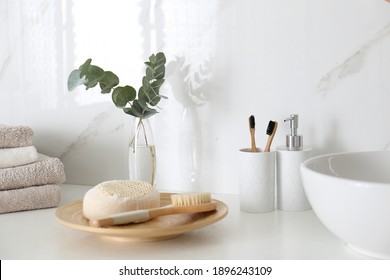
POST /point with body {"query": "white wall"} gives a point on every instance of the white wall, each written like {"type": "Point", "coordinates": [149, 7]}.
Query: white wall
{"type": "Point", "coordinates": [328, 61]}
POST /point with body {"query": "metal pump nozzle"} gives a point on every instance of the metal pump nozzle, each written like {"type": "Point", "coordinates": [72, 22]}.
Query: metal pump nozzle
{"type": "Point", "coordinates": [294, 141]}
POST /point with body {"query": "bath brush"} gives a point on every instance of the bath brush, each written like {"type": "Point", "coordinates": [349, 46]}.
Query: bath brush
{"type": "Point", "coordinates": [181, 204]}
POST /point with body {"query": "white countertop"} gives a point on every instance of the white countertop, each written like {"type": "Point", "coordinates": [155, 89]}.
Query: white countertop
{"type": "Point", "coordinates": [275, 235]}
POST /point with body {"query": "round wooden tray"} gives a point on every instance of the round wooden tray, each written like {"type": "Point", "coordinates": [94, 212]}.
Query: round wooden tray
{"type": "Point", "coordinates": [161, 228]}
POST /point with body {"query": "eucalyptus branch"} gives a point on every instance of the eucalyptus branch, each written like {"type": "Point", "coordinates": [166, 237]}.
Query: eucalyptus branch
{"type": "Point", "coordinates": [142, 104]}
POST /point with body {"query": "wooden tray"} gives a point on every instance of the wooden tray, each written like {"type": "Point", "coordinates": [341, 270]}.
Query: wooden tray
{"type": "Point", "coordinates": [161, 228]}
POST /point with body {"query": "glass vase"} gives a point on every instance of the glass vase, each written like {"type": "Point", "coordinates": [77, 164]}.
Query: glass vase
{"type": "Point", "coordinates": [142, 153]}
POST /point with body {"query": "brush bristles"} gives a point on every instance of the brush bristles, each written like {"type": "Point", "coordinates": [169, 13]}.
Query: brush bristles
{"type": "Point", "coordinates": [190, 199]}
{"type": "Point", "coordinates": [252, 121]}
{"type": "Point", "coordinates": [270, 128]}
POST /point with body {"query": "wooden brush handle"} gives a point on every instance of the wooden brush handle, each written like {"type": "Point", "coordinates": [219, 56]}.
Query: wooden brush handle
{"type": "Point", "coordinates": [253, 142]}
{"type": "Point", "coordinates": [268, 145]}
{"type": "Point", "coordinates": [122, 218]}
{"type": "Point", "coordinates": [171, 210]}
{"type": "Point", "coordinates": [138, 216]}
{"type": "Point", "coordinates": [270, 138]}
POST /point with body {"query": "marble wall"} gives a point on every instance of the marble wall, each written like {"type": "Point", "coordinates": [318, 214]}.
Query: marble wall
{"type": "Point", "coordinates": [328, 61]}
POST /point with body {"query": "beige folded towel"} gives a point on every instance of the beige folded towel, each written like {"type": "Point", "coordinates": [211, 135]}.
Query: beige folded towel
{"type": "Point", "coordinates": [45, 171]}
{"type": "Point", "coordinates": [10, 157]}
{"type": "Point", "coordinates": [30, 198]}
{"type": "Point", "coordinates": [15, 136]}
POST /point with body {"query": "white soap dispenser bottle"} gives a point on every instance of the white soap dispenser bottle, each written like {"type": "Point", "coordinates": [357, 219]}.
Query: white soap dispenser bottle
{"type": "Point", "coordinates": [290, 192]}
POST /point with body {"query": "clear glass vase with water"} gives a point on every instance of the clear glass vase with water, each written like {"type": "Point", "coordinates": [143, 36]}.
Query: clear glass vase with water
{"type": "Point", "coordinates": [142, 152]}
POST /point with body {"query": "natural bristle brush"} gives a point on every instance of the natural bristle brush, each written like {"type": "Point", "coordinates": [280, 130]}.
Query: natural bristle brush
{"type": "Point", "coordinates": [181, 204]}
{"type": "Point", "coordinates": [271, 130]}
{"type": "Point", "coordinates": [252, 131]}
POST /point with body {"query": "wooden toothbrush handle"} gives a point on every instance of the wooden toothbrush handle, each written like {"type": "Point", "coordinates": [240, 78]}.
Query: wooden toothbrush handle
{"type": "Point", "coordinates": [253, 142]}
{"type": "Point", "coordinates": [270, 138]}
{"type": "Point", "coordinates": [268, 145]}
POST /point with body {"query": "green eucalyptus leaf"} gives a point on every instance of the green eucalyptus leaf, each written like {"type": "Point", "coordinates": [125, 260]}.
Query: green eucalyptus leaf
{"type": "Point", "coordinates": [148, 95]}
{"type": "Point", "coordinates": [155, 100]}
{"type": "Point", "coordinates": [155, 87]}
{"type": "Point", "coordinates": [160, 58]}
{"type": "Point", "coordinates": [94, 72]}
{"type": "Point", "coordinates": [142, 103]}
{"type": "Point", "coordinates": [93, 76]}
{"type": "Point", "coordinates": [108, 81]}
{"type": "Point", "coordinates": [157, 83]}
{"type": "Point", "coordinates": [145, 83]}
{"type": "Point", "coordinates": [159, 72]}
{"type": "Point", "coordinates": [149, 73]}
{"type": "Point", "coordinates": [74, 80]}
{"type": "Point", "coordinates": [133, 112]}
{"type": "Point", "coordinates": [121, 96]}
{"type": "Point", "coordinates": [137, 108]}
{"type": "Point", "coordinates": [125, 97]}
{"type": "Point", "coordinates": [153, 92]}
{"type": "Point", "coordinates": [144, 94]}
{"type": "Point", "coordinates": [137, 112]}
{"type": "Point", "coordinates": [153, 59]}
{"type": "Point", "coordinates": [91, 84]}
{"type": "Point", "coordinates": [143, 109]}
{"type": "Point", "coordinates": [149, 113]}
{"type": "Point", "coordinates": [84, 67]}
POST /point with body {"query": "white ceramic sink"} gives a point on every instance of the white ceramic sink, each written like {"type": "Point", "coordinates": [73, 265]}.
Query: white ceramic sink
{"type": "Point", "coordinates": [350, 194]}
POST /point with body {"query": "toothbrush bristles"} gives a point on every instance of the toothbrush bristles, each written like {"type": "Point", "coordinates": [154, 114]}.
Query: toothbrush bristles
{"type": "Point", "coordinates": [252, 121]}
{"type": "Point", "coordinates": [270, 128]}
{"type": "Point", "coordinates": [190, 199]}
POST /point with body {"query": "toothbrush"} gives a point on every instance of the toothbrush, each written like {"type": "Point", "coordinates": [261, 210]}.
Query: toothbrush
{"type": "Point", "coordinates": [181, 203]}
{"type": "Point", "coordinates": [271, 130]}
{"type": "Point", "coordinates": [252, 131]}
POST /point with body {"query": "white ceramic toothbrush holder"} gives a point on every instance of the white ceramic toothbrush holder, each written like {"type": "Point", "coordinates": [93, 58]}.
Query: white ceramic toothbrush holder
{"type": "Point", "coordinates": [257, 181]}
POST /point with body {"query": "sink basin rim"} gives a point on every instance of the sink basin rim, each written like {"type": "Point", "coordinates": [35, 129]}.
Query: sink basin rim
{"type": "Point", "coordinates": [358, 182]}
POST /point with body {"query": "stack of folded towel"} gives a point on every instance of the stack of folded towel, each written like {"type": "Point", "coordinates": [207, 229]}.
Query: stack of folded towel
{"type": "Point", "coordinates": [28, 180]}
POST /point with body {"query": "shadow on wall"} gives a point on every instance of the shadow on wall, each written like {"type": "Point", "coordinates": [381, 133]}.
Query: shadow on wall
{"type": "Point", "coordinates": [192, 90]}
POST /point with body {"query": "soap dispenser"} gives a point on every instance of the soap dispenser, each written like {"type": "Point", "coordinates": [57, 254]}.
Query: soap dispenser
{"type": "Point", "coordinates": [290, 192]}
